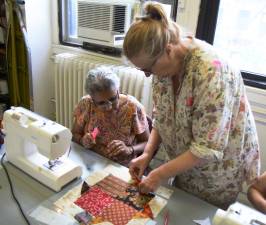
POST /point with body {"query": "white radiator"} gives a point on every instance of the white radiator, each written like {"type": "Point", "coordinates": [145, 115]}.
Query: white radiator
{"type": "Point", "coordinates": [70, 71]}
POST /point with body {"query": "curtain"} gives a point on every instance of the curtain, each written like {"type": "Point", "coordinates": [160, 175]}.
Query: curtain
{"type": "Point", "coordinates": [18, 57]}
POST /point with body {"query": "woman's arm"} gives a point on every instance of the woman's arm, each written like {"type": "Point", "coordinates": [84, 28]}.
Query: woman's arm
{"type": "Point", "coordinates": [178, 165]}
{"type": "Point", "coordinates": [257, 193]}
{"type": "Point", "coordinates": [79, 123]}
{"type": "Point", "coordinates": [77, 132]}
{"type": "Point", "coordinates": [139, 164]}
{"type": "Point", "coordinates": [153, 143]}
{"type": "Point", "coordinates": [142, 140]}
{"type": "Point", "coordinates": [84, 139]}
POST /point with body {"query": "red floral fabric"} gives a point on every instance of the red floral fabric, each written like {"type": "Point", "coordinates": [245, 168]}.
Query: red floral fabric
{"type": "Point", "coordinates": [94, 200]}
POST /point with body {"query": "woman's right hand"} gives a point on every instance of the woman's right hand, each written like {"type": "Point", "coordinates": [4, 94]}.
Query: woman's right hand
{"type": "Point", "coordinates": [138, 165]}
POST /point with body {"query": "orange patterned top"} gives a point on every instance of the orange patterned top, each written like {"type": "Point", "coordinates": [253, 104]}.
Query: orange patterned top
{"type": "Point", "coordinates": [124, 124]}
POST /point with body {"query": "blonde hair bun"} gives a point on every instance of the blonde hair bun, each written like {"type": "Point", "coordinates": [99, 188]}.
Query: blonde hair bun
{"type": "Point", "coordinates": [155, 11]}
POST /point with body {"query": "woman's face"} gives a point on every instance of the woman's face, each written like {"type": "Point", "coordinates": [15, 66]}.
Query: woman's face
{"type": "Point", "coordinates": [165, 64]}
{"type": "Point", "coordinates": [106, 100]}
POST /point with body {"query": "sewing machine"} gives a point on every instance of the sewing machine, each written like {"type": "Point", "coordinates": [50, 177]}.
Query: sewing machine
{"type": "Point", "coordinates": [239, 214]}
{"type": "Point", "coordinates": [37, 146]}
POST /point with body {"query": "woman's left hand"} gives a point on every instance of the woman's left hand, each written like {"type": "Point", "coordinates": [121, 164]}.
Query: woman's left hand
{"type": "Point", "coordinates": [118, 150]}
{"type": "Point", "coordinates": [150, 183]}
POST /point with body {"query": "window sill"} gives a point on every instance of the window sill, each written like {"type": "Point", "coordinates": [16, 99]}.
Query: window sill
{"type": "Point", "coordinates": [256, 84]}
{"type": "Point", "coordinates": [57, 49]}
{"type": "Point", "coordinates": [254, 80]}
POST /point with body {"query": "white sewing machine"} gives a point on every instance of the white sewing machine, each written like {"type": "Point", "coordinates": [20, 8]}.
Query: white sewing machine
{"type": "Point", "coordinates": [239, 214]}
{"type": "Point", "coordinates": [34, 144]}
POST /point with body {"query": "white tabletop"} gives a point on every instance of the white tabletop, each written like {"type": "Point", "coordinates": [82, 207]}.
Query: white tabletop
{"type": "Point", "coordinates": [183, 207]}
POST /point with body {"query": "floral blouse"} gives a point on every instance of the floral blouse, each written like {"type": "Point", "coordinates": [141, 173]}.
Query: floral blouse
{"type": "Point", "coordinates": [211, 117]}
{"type": "Point", "coordinates": [128, 121]}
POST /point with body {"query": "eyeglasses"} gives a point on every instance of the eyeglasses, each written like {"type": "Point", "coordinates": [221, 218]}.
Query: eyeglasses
{"type": "Point", "coordinates": [108, 102]}
{"type": "Point", "coordinates": [148, 72]}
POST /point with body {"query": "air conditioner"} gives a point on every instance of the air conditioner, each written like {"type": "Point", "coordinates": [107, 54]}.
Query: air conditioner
{"type": "Point", "coordinates": [103, 22]}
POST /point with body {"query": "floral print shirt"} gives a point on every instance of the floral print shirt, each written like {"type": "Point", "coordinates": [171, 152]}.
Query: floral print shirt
{"type": "Point", "coordinates": [128, 121]}
{"type": "Point", "coordinates": [211, 117]}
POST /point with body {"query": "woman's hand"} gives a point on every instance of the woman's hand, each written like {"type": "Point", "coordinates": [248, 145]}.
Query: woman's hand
{"type": "Point", "coordinates": [138, 165]}
{"type": "Point", "coordinates": [118, 150]}
{"type": "Point", "coordinates": [88, 141]}
{"type": "Point", "coordinates": [150, 183]}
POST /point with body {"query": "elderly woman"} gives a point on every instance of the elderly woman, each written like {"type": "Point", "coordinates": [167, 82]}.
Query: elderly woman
{"type": "Point", "coordinates": [203, 121]}
{"type": "Point", "coordinates": [111, 124]}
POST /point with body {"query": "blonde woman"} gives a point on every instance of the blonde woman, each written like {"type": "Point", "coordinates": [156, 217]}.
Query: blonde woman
{"type": "Point", "coordinates": [203, 120]}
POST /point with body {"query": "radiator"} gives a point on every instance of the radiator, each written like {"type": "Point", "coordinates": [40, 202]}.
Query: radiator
{"type": "Point", "coordinates": [70, 71]}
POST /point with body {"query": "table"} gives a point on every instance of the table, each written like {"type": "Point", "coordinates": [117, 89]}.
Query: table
{"type": "Point", "coordinates": [183, 207]}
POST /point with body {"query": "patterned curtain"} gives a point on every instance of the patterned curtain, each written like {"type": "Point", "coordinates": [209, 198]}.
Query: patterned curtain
{"type": "Point", "coordinates": [18, 56]}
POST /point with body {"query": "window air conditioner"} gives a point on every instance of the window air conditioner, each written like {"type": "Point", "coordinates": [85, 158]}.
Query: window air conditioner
{"type": "Point", "coordinates": [103, 23]}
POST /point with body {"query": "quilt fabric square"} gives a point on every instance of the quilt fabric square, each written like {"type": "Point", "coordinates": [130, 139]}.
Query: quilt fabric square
{"type": "Point", "coordinates": [118, 213]}
{"type": "Point", "coordinates": [94, 200]}
{"type": "Point", "coordinates": [114, 186]}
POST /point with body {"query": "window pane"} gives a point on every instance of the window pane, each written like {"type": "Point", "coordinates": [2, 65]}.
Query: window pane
{"type": "Point", "coordinates": [72, 15]}
{"type": "Point", "coordinates": [241, 33]}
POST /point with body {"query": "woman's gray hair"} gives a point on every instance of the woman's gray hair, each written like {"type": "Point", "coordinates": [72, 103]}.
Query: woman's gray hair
{"type": "Point", "coordinates": [101, 79]}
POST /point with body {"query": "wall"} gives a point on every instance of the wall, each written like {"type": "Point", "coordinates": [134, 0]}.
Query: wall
{"type": "Point", "coordinates": [187, 14]}
{"type": "Point", "coordinates": [257, 100]}
{"type": "Point", "coordinates": [38, 20]}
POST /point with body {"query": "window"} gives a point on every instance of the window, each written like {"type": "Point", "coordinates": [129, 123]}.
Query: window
{"type": "Point", "coordinates": [237, 28]}
{"type": "Point", "coordinates": [70, 22]}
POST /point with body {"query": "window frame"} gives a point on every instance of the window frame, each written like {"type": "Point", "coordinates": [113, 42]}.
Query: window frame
{"type": "Point", "coordinates": [61, 14]}
{"type": "Point", "coordinates": [206, 26]}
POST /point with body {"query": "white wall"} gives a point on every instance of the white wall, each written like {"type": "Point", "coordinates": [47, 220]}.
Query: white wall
{"type": "Point", "coordinates": [187, 14]}
{"type": "Point", "coordinates": [257, 100]}
{"type": "Point", "coordinates": [39, 29]}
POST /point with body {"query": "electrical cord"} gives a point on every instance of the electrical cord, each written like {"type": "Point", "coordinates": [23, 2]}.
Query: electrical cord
{"type": "Point", "coordinates": [12, 190]}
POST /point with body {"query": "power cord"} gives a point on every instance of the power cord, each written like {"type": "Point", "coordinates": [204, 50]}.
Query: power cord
{"type": "Point", "coordinates": [12, 190]}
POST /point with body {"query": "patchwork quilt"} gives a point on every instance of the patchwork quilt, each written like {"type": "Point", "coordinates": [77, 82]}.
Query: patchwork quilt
{"type": "Point", "coordinates": [104, 199]}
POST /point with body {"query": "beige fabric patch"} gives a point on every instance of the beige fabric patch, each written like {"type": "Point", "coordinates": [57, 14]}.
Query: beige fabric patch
{"type": "Point", "coordinates": [95, 177]}
{"type": "Point", "coordinates": [164, 192]}
{"type": "Point", "coordinates": [141, 221]}
{"type": "Point", "coordinates": [65, 204]}
{"type": "Point", "coordinates": [118, 171]}
{"type": "Point", "coordinates": [156, 205]}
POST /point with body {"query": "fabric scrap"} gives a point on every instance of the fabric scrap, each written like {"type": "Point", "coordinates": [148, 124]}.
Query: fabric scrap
{"type": "Point", "coordinates": [118, 171]}
{"type": "Point", "coordinates": [164, 192]}
{"type": "Point", "coordinates": [94, 200]}
{"type": "Point", "coordinates": [95, 177]}
{"type": "Point", "coordinates": [85, 187]}
{"type": "Point", "coordinates": [140, 221]}
{"type": "Point", "coordinates": [114, 186]}
{"type": "Point", "coordinates": [136, 199]}
{"type": "Point", "coordinates": [118, 213]}
{"type": "Point", "coordinates": [83, 217]}
{"type": "Point", "coordinates": [156, 205]}
{"type": "Point", "coordinates": [66, 202]}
